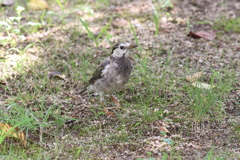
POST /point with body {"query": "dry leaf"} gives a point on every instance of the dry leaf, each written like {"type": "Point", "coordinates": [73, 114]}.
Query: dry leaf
{"type": "Point", "coordinates": [7, 2]}
{"type": "Point", "coordinates": [54, 74]}
{"type": "Point", "coordinates": [164, 129]}
{"type": "Point", "coordinates": [202, 85]}
{"type": "Point", "coordinates": [207, 35]}
{"type": "Point", "coordinates": [2, 90]}
{"type": "Point", "coordinates": [193, 34]}
{"type": "Point", "coordinates": [162, 126]}
{"type": "Point", "coordinates": [203, 34]}
{"type": "Point", "coordinates": [3, 83]}
{"type": "Point", "coordinates": [194, 77]}
{"type": "Point", "coordinates": [9, 131]}
{"type": "Point", "coordinates": [37, 4]}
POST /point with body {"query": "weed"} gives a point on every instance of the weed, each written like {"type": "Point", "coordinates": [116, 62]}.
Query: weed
{"type": "Point", "coordinates": [165, 3]}
{"type": "Point", "coordinates": [9, 23]}
{"type": "Point", "coordinates": [165, 156]}
{"type": "Point", "coordinates": [135, 35]}
{"type": "Point", "coordinates": [156, 16]}
{"type": "Point", "coordinates": [204, 22]}
{"type": "Point", "coordinates": [12, 30]}
{"type": "Point", "coordinates": [60, 4]}
{"type": "Point", "coordinates": [209, 101]}
{"type": "Point", "coordinates": [228, 25]}
{"type": "Point", "coordinates": [22, 51]}
{"type": "Point", "coordinates": [99, 38]}
{"type": "Point", "coordinates": [209, 155]}
{"type": "Point", "coordinates": [157, 7]}
{"type": "Point", "coordinates": [62, 15]}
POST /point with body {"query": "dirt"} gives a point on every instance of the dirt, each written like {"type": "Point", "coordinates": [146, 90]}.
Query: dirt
{"type": "Point", "coordinates": [193, 139]}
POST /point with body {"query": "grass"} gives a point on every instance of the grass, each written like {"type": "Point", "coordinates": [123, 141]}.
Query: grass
{"type": "Point", "coordinates": [156, 16]}
{"type": "Point", "coordinates": [97, 39]}
{"type": "Point", "coordinates": [203, 100]}
{"type": "Point", "coordinates": [228, 25]}
{"type": "Point", "coordinates": [135, 35]}
{"type": "Point", "coordinates": [156, 92]}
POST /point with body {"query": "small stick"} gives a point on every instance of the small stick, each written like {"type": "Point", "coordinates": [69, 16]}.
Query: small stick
{"type": "Point", "coordinates": [74, 97]}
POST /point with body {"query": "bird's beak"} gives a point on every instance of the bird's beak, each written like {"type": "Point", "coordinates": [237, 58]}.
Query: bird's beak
{"type": "Point", "coordinates": [132, 46]}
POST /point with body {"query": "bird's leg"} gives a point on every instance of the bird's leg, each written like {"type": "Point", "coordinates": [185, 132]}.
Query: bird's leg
{"type": "Point", "coordinates": [111, 114]}
{"type": "Point", "coordinates": [115, 101]}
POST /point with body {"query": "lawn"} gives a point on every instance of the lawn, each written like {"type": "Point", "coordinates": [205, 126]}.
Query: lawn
{"type": "Point", "coordinates": [182, 100]}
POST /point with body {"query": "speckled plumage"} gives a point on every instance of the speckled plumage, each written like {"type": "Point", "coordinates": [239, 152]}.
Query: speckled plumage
{"type": "Point", "coordinates": [113, 73]}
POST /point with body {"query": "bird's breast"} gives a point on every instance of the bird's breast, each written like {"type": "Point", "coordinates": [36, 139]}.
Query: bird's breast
{"type": "Point", "coordinates": [114, 76]}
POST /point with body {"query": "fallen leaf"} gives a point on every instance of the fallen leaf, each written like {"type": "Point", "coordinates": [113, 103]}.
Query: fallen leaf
{"type": "Point", "coordinates": [164, 129]}
{"type": "Point", "coordinates": [7, 2]}
{"type": "Point", "coordinates": [2, 90]}
{"type": "Point", "coordinates": [203, 34]}
{"type": "Point", "coordinates": [3, 83]}
{"type": "Point", "coordinates": [162, 126]}
{"type": "Point", "coordinates": [8, 131]}
{"type": "Point", "coordinates": [202, 85]}
{"type": "Point", "coordinates": [193, 34]}
{"type": "Point", "coordinates": [207, 35]}
{"type": "Point", "coordinates": [194, 77]}
{"type": "Point", "coordinates": [37, 4]}
{"type": "Point", "coordinates": [54, 74]}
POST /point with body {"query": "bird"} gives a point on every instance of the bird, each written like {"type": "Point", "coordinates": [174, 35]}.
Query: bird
{"type": "Point", "coordinates": [112, 74]}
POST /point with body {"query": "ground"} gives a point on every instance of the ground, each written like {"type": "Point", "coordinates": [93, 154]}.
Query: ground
{"type": "Point", "coordinates": [45, 64]}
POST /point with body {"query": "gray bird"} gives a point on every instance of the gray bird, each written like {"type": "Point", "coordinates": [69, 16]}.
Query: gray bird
{"type": "Point", "coordinates": [112, 74]}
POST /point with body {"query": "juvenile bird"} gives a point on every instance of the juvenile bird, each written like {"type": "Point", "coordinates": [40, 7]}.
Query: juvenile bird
{"type": "Point", "coordinates": [112, 74]}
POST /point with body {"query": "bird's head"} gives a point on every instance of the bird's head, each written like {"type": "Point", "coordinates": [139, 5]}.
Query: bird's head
{"type": "Point", "coordinates": [122, 49]}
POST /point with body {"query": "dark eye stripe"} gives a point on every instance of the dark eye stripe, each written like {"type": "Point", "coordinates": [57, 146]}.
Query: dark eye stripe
{"type": "Point", "coordinates": [116, 46]}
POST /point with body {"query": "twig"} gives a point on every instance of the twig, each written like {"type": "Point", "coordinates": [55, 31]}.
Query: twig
{"type": "Point", "coordinates": [74, 97]}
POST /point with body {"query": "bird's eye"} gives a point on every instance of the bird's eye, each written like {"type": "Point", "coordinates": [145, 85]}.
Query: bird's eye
{"type": "Point", "coordinates": [121, 47]}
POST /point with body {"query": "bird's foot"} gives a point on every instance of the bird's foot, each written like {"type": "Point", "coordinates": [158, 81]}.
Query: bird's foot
{"type": "Point", "coordinates": [115, 101]}
{"type": "Point", "coordinates": [106, 109]}
{"type": "Point", "coordinates": [111, 114]}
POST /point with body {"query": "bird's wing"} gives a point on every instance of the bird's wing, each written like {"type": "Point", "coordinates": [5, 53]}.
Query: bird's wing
{"type": "Point", "coordinates": [99, 71]}
{"type": "Point", "coordinates": [96, 75]}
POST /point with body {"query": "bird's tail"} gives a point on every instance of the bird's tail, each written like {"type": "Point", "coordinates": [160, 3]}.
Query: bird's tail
{"type": "Point", "coordinates": [84, 91]}
{"type": "Point", "coordinates": [87, 90]}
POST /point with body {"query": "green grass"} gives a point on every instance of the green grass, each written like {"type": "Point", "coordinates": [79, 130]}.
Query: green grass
{"type": "Point", "coordinates": [135, 35]}
{"type": "Point", "coordinates": [156, 16]}
{"type": "Point", "coordinates": [98, 38]}
{"type": "Point", "coordinates": [228, 25]}
{"type": "Point", "coordinates": [210, 102]}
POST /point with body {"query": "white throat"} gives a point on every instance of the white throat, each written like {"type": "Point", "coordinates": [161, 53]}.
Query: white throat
{"type": "Point", "coordinates": [119, 53]}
